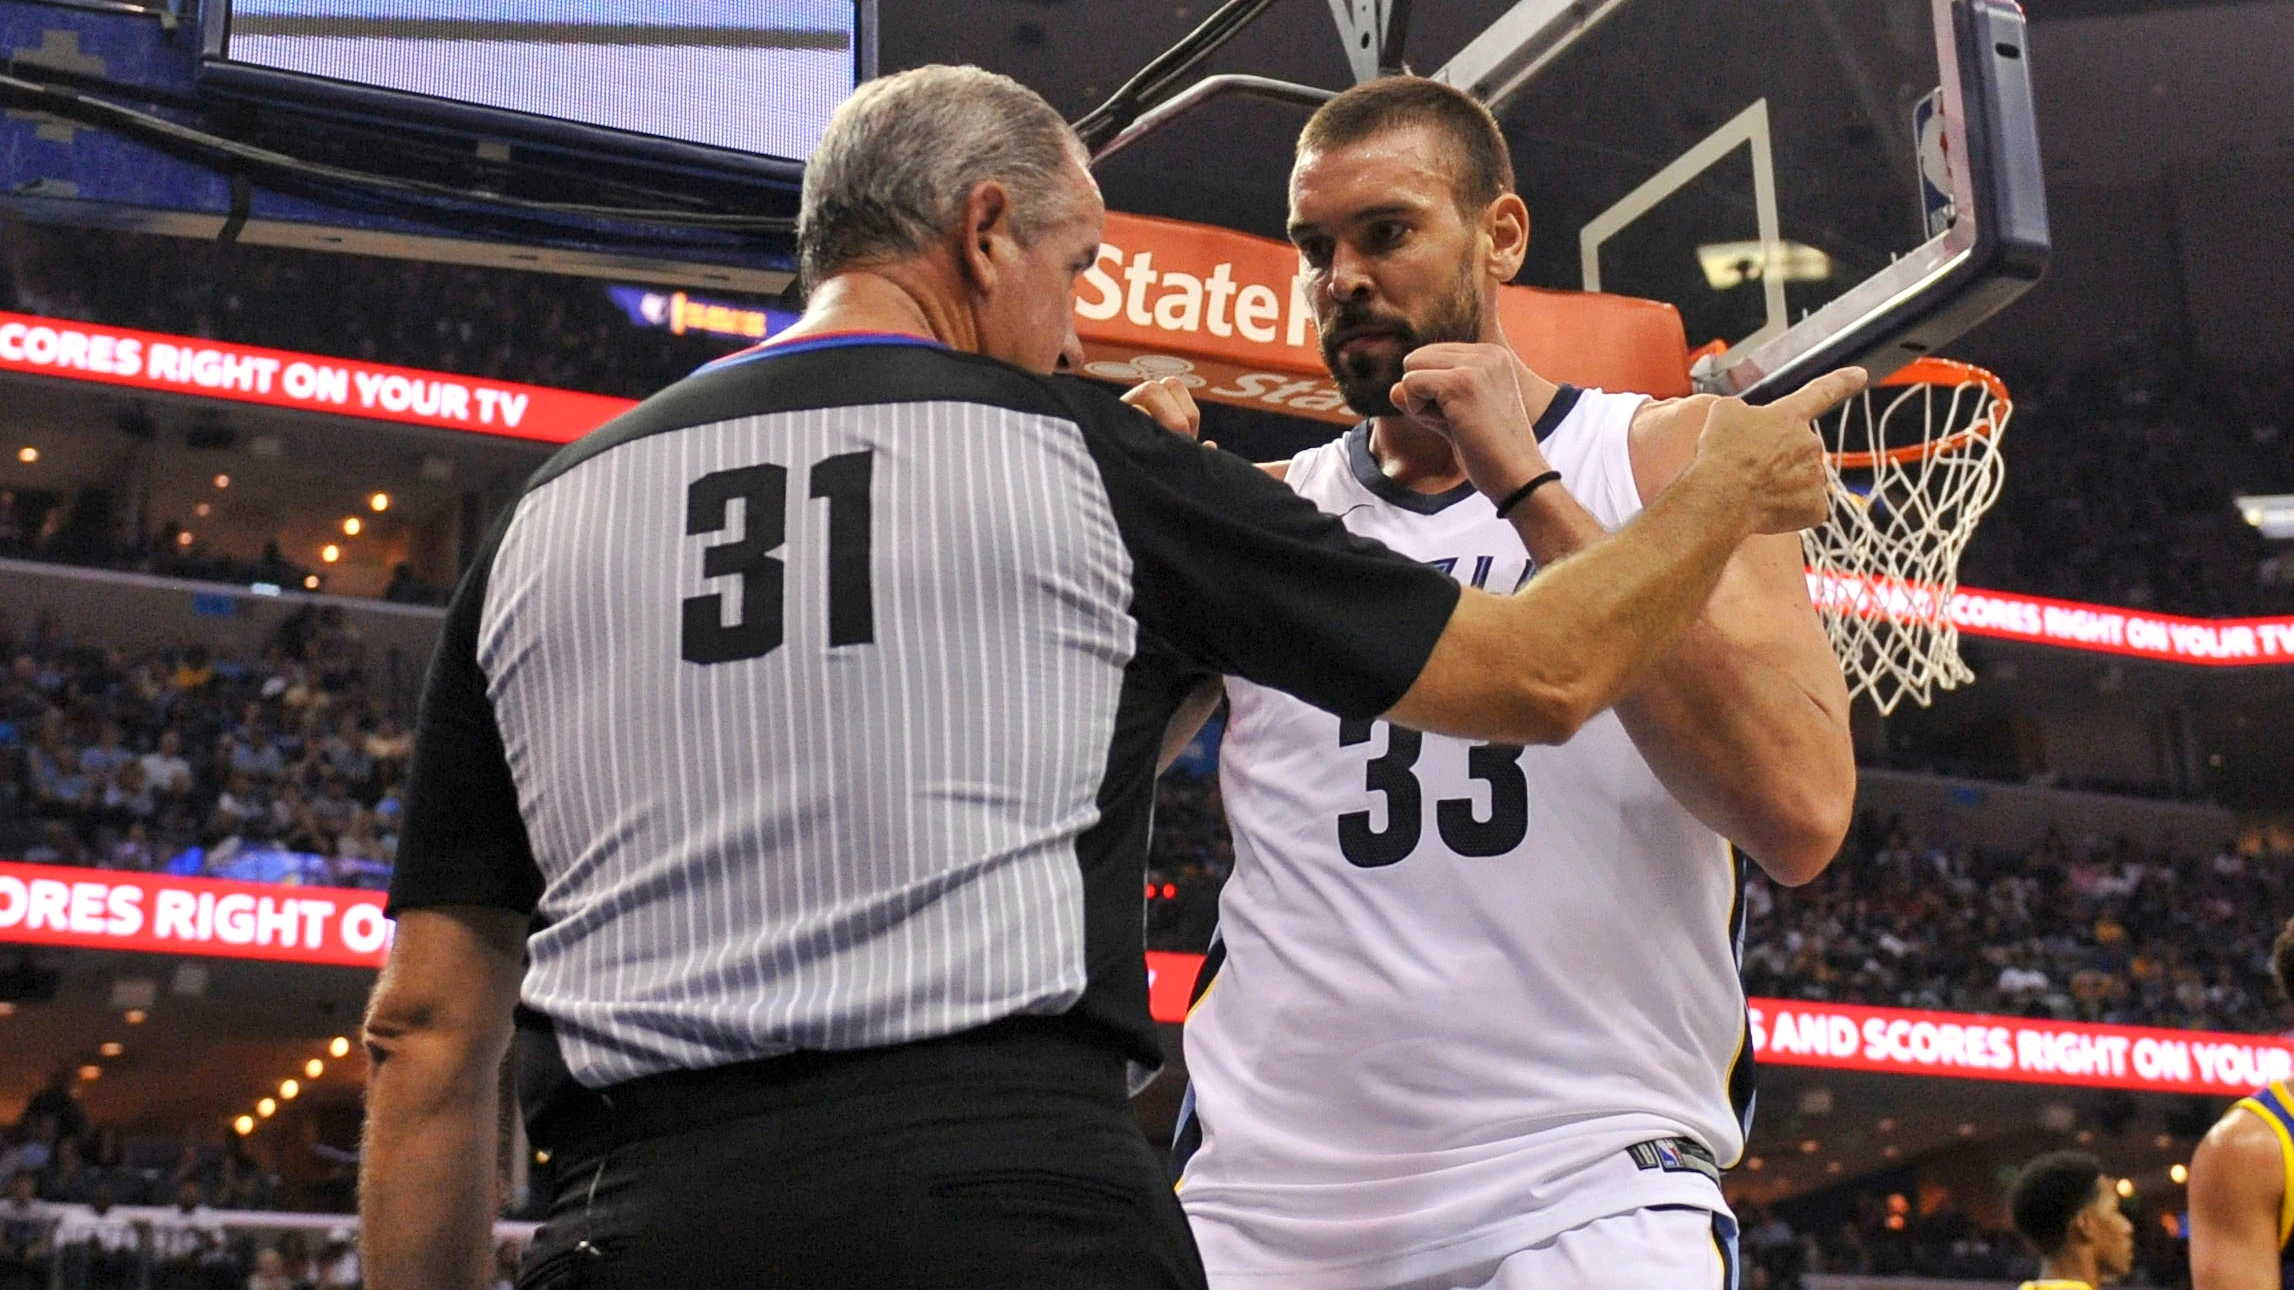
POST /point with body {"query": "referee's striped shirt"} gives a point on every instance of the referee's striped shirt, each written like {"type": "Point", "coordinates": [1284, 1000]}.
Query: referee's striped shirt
{"type": "Point", "coordinates": [815, 702]}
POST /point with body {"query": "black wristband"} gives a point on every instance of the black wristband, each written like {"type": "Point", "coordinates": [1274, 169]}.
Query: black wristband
{"type": "Point", "coordinates": [1521, 494]}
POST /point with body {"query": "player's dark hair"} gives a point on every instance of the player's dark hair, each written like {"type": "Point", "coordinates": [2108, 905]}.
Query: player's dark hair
{"type": "Point", "coordinates": [1480, 166]}
{"type": "Point", "coordinates": [2282, 958]}
{"type": "Point", "coordinates": [2049, 1193]}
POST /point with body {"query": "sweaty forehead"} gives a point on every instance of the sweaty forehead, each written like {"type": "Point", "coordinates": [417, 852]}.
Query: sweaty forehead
{"type": "Point", "coordinates": [1407, 166]}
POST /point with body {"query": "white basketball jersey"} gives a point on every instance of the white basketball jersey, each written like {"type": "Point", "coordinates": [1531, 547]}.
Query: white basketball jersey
{"type": "Point", "coordinates": [1455, 981]}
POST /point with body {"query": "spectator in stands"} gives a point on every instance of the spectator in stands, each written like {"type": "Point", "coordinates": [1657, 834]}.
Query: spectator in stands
{"type": "Point", "coordinates": [60, 784]}
{"type": "Point", "coordinates": [190, 1249]}
{"type": "Point", "coordinates": [271, 1271]}
{"type": "Point", "coordinates": [126, 801]}
{"type": "Point", "coordinates": [2069, 1210]}
{"type": "Point", "coordinates": [337, 652]}
{"type": "Point", "coordinates": [68, 1179]}
{"type": "Point", "coordinates": [237, 804]}
{"type": "Point", "coordinates": [97, 1247]}
{"type": "Point", "coordinates": [134, 851]}
{"type": "Point", "coordinates": [338, 1265]}
{"type": "Point", "coordinates": [164, 768]}
{"type": "Point", "coordinates": [25, 1223]}
{"type": "Point", "coordinates": [106, 755]}
{"type": "Point", "coordinates": [405, 588]}
{"type": "Point", "coordinates": [250, 751]}
{"type": "Point", "coordinates": [31, 1146]}
{"type": "Point", "coordinates": [2019, 980]}
{"type": "Point", "coordinates": [59, 1102]}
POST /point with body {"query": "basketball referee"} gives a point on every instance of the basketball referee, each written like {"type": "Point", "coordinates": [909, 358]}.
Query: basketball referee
{"type": "Point", "coordinates": [783, 777]}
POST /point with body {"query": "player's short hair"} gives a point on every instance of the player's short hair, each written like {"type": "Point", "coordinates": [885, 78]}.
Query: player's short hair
{"type": "Point", "coordinates": [902, 155]}
{"type": "Point", "coordinates": [1480, 165]}
{"type": "Point", "coordinates": [2049, 1193]}
{"type": "Point", "coordinates": [2282, 958]}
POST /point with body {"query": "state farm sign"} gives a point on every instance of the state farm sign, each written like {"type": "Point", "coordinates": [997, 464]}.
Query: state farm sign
{"type": "Point", "coordinates": [1225, 313]}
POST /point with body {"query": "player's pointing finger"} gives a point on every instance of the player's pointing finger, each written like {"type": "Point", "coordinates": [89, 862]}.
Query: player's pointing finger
{"type": "Point", "coordinates": [1812, 400]}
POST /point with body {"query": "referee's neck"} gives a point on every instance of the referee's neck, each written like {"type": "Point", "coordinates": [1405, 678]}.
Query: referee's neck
{"type": "Point", "coordinates": [895, 299]}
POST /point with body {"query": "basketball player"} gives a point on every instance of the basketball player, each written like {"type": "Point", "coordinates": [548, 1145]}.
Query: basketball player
{"type": "Point", "coordinates": [2242, 1179]}
{"type": "Point", "coordinates": [2069, 1210]}
{"type": "Point", "coordinates": [1474, 1016]}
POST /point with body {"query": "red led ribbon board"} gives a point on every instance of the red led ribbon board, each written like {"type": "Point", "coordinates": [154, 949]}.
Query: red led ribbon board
{"type": "Point", "coordinates": [1948, 1045]}
{"type": "Point", "coordinates": [1966, 1046]}
{"type": "Point", "coordinates": [282, 379]}
{"type": "Point", "coordinates": [1270, 363]}
{"type": "Point", "coordinates": [2037, 620]}
{"type": "Point", "coordinates": [101, 909]}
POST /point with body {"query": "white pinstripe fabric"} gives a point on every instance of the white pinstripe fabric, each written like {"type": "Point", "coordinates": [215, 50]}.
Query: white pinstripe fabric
{"type": "Point", "coordinates": [826, 848]}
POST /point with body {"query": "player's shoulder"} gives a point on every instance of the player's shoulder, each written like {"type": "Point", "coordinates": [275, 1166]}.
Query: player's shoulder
{"type": "Point", "coordinates": [2254, 1119]}
{"type": "Point", "coordinates": [2248, 1141]}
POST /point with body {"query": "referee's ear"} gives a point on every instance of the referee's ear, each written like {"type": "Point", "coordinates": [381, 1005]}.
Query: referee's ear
{"type": "Point", "coordinates": [987, 221]}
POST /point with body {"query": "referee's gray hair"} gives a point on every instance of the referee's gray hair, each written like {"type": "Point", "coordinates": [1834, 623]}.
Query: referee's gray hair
{"type": "Point", "coordinates": [898, 160]}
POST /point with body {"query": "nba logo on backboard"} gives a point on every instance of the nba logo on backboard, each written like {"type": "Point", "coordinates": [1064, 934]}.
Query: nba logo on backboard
{"type": "Point", "coordinates": [1935, 163]}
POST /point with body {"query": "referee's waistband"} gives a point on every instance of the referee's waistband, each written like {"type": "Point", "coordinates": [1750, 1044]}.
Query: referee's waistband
{"type": "Point", "coordinates": [1034, 1053]}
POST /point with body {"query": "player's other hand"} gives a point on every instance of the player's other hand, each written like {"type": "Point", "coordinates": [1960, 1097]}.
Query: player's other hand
{"type": "Point", "coordinates": [1772, 455]}
{"type": "Point", "coordinates": [1471, 395]}
{"type": "Point", "coordinates": [1166, 399]}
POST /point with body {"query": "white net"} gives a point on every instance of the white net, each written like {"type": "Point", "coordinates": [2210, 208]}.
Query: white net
{"type": "Point", "coordinates": [1915, 461]}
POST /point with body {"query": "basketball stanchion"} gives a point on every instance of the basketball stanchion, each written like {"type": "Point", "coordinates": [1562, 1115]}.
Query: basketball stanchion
{"type": "Point", "coordinates": [1914, 462]}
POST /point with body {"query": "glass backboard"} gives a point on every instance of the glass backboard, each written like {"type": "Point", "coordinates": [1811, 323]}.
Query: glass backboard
{"type": "Point", "coordinates": [1811, 182]}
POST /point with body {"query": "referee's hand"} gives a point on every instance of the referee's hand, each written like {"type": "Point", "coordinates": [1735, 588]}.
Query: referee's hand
{"type": "Point", "coordinates": [1166, 399]}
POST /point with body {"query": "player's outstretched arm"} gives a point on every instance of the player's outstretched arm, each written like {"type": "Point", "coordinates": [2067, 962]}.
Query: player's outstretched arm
{"type": "Point", "coordinates": [2237, 1180]}
{"type": "Point", "coordinates": [1535, 666]}
{"type": "Point", "coordinates": [436, 1032]}
{"type": "Point", "coordinates": [1746, 721]}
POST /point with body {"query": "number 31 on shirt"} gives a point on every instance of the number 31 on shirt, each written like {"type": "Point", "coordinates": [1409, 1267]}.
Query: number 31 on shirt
{"type": "Point", "coordinates": [843, 482]}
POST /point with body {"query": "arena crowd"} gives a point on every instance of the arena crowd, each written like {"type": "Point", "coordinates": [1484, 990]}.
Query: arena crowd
{"type": "Point", "coordinates": [284, 767]}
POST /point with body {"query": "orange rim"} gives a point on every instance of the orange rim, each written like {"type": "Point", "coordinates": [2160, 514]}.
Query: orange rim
{"type": "Point", "coordinates": [1935, 371]}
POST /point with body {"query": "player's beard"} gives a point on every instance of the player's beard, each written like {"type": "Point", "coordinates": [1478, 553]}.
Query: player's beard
{"type": "Point", "coordinates": [1367, 378]}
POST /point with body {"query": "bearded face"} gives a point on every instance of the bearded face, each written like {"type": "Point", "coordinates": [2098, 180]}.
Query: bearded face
{"type": "Point", "coordinates": [1363, 345]}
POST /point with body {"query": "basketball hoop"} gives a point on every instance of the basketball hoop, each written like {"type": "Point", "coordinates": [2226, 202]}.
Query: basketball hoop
{"type": "Point", "coordinates": [1914, 463]}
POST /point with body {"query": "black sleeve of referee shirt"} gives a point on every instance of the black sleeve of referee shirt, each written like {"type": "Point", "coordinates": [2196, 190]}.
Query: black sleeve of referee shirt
{"type": "Point", "coordinates": [1246, 578]}
{"type": "Point", "coordinates": [462, 841]}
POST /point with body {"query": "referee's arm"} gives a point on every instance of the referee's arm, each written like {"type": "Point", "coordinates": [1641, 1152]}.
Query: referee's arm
{"type": "Point", "coordinates": [463, 892]}
{"type": "Point", "coordinates": [436, 1033]}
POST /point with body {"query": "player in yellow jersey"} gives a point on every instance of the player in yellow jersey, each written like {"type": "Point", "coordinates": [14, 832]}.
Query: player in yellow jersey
{"type": "Point", "coordinates": [2066, 1207]}
{"type": "Point", "coordinates": [2242, 1179]}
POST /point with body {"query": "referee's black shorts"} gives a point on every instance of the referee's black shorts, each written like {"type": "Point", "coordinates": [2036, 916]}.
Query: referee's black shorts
{"type": "Point", "coordinates": [1004, 1157]}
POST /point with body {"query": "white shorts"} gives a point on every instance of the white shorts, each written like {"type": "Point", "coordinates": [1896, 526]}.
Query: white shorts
{"type": "Point", "coordinates": [1666, 1248]}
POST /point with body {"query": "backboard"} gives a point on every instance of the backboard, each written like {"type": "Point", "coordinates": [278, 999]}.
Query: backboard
{"type": "Point", "coordinates": [1811, 182]}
